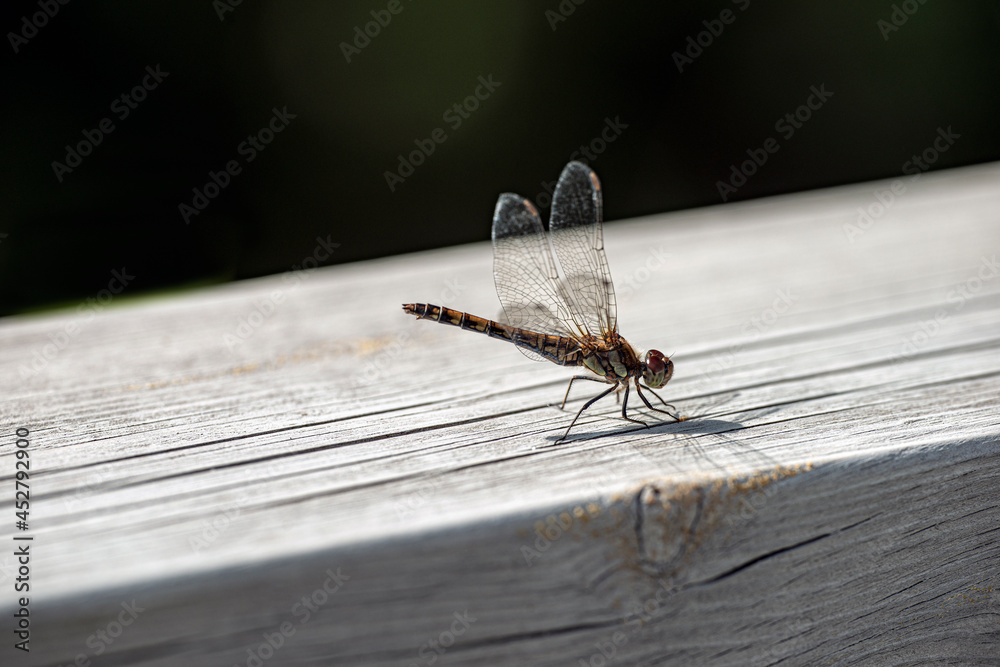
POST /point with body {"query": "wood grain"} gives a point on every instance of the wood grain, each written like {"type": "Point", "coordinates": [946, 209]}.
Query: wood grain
{"type": "Point", "coordinates": [213, 457]}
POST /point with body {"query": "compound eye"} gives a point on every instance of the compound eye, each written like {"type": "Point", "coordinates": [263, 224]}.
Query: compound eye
{"type": "Point", "coordinates": [658, 369]}
{"type": "Point", "coordinates": [654, 362]}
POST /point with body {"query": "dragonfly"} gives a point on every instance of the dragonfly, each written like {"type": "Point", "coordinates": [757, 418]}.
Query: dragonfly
{"type": "Point", "coordinates": [557, 295]}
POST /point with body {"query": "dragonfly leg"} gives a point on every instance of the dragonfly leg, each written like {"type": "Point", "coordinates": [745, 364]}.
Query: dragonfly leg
{"type": "Point", "coordinates": [625, 405]}
{"type": "Point", "coordinates": [571, 380]}
{"type": "Point", "coordinates": [585, 406]}
{"type": "Point", "coordinates": [648, 405]}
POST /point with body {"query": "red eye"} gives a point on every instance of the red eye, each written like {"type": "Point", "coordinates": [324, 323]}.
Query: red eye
{"type": "Point", "coordinates": [655, 362]}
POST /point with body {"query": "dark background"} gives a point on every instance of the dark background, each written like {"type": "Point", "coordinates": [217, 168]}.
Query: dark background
{"type": "Point", "coordinates": [324, 175]}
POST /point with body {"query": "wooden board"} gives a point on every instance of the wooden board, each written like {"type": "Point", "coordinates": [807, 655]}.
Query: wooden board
{"type": "Point", "coordinates": [295, 460]}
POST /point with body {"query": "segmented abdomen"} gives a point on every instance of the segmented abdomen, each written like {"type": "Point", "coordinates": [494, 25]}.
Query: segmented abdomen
{"type": "Point", "coordinates": [557, 349]}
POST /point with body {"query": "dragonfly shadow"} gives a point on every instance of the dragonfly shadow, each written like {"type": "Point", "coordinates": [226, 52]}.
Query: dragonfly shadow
{"type": "Point", "coordinates": [690, 426]}
{"type": "Point", "coordinates": [700, 423]}
{"type": "Point", "coordinates": [671, 447]}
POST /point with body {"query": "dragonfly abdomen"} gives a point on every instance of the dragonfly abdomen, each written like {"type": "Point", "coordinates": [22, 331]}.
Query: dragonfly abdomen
{"type": "Point", "coordinates": [557, 349]}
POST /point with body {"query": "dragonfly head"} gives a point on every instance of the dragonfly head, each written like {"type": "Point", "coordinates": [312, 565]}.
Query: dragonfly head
{"type": "Point", "coordinates": [657, 369]}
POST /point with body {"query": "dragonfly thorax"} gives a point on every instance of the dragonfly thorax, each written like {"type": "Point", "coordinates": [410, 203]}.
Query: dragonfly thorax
{"type": "Point", "coordinates": [612, 358]}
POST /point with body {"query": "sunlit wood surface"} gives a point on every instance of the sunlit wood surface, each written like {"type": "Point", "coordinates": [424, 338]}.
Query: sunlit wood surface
{"type": "Point", "coordinates": [211, 459]}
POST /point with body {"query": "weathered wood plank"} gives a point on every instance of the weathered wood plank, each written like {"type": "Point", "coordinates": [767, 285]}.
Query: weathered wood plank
{"type": "Point", "coordinates": [832, 500]}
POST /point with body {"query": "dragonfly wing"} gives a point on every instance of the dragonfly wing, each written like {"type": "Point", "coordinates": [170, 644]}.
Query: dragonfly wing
{"type": "Point", "coordinates": [576, 236]}
{"type": "Point", "coordinates": [527, 280]}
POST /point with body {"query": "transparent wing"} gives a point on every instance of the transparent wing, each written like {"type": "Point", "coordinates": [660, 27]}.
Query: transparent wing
{"type": "Point", "coordinates": [527, 279]}
{"type": "Point", "coordinates": [576, 236]}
